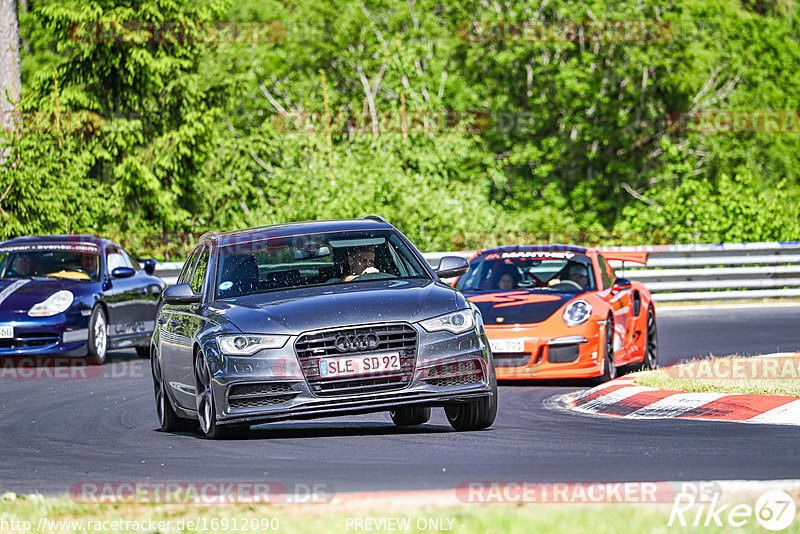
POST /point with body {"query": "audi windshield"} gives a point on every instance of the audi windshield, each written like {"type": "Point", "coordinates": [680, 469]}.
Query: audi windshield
{"type": "Point", "coordinates": [312, 260]}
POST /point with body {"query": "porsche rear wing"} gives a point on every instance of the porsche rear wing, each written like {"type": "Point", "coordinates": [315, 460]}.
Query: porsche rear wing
{"type": "Point", "coordinates": [635, 257]}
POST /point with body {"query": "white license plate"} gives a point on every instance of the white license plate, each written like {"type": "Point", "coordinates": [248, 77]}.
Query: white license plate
{"type": "Point", "coordinates": [507, 345]}
{"type": "Point", "coordinates": [6, 331]}
{"type": "Point", "coordinates": [363, 364]}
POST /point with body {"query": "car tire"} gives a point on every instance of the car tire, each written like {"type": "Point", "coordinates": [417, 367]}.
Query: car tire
{"type": "Point", "coordinates": [207, 411]}
{"type": "Point", "coordinates": [650, 361]}
{"type": "Point", "coordinates": [98, 337]}
{"type": "Point", "coordinates": [168, 419]}
{"type": "Point", "coordinates": [410, 415]}
{"type": "Point", "coordinates": [143, 352]}
{"type": "Point", "coordinates": [609, 369]}
{"type": "Point", "coordinates": [477, 414]}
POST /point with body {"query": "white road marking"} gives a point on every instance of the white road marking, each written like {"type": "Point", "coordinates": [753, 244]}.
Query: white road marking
{"type": "Point", "coordinates": [788, 414]}
{"type": "Point", "coordinates": [585, 393]}
{"type": "Point", "coordinates": [603, 402]}
{"type": "Point", "coordinates": [675, 405]}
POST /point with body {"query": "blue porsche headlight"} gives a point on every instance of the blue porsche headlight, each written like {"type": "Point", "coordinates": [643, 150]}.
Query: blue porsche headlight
{"type": "Point", "coordinates": [56, 303]}
{"type": "Point", "coordinates": [577, 312]}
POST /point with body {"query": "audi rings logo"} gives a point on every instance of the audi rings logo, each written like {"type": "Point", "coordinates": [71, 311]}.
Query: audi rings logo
{"type": "Point", "coordinates": [356, 342]}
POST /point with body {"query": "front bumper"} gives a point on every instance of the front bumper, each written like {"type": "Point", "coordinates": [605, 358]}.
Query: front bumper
{"type": "Point", "coordinates": [542, 360]}
{"type": "Point", "coordinates": [447, 369]}
{"type": "Point", "coordinates": [64, 334]}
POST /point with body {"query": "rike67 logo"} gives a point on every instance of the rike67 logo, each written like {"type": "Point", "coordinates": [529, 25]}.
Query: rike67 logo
{"type": "Point", "coordinates": [699, 505]}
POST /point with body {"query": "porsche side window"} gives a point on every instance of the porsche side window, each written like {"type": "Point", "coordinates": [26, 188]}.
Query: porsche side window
{"type": "Point", "coordinates": [199, 275]}
{"type": "Point", "coordinates": [477, 276]}
{"type": "Point", "coordinates": [606, 272]}
{"type": "Point", "coordinates": [128, 260]}
{"type": "Point", "coordinates": [114, 259]}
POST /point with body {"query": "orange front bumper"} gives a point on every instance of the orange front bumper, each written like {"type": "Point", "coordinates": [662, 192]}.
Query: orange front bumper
{"type": "Point", "coordinates": [543, 359]}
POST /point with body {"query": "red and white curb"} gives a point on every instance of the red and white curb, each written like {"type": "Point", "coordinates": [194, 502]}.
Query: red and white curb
{"type": "Point", "coordinates": [623, 398]}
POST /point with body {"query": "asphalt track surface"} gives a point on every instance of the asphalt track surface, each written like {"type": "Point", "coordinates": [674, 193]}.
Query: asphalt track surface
{"type": "Point", "coordinates": [55, 433]}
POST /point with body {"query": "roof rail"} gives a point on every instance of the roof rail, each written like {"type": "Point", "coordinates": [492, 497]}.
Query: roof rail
{"type": "Point", "coordinates": [374, 218]}
{"type": "Point", "coordinates": [210, 233]}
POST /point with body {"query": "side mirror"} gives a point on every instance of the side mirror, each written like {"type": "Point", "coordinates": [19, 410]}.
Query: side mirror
{"type": "Point", "coordinates": [621, 283]}
{"type": "Point", "coordinates": [452, 266]}
{"type": "Point", "coordinates": [180, 294]}
{"type": "Point", "coordinates": [123, 272]}
{"type": "Point", "coordinates": [149, 265]}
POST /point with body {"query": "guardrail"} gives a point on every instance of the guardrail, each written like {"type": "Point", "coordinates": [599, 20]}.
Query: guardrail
{"type": "Point", "coordinates": [727, 271]}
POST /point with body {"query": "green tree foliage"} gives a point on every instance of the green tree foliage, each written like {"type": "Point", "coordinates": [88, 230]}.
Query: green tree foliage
{"type": "Point", "coordinates": [333, 112]}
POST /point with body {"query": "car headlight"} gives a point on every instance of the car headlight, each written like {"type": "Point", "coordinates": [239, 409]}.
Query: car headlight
{"type": "Point", "coordinates": [577, 312]}
{"type": "Point", "coordinates": [456, 322]}
{"type": "Point", "coordinates": [249, 344]}
{"type": "Point", "coordinates": [56, 303]}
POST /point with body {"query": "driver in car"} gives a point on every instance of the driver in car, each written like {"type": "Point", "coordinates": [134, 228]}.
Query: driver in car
{"type": "Point", "coordinates": [89, 264]}
{"type": "Point", "coordinates": [23, 265]}
{"type": "Point", "coordinates": [578, 273]}
{"type": "Point", "coordinates": [360, 260]}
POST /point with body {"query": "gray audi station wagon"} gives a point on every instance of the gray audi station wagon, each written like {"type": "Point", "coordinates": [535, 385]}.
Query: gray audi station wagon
{"type": "Point", "coordinates": [318, 319]}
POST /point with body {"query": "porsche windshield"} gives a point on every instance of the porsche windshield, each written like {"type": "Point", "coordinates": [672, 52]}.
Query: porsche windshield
{"type": "Point", "coordinates": [313, 259]}
{"type": "Point", "coordinates": [542, 271]}
{"type": "Point", "coordinates": [56, 261]}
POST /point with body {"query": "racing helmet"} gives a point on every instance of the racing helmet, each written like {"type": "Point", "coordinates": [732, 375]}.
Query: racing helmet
{"type": "Point", "coordinates": [576, 268]}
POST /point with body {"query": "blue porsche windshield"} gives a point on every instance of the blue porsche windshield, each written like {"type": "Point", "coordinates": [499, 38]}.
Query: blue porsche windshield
{"type": "Point", "coordinates": [287, 262]}
{"type": "Point", "coordinates": [76, 262]}
{"type": "Point", "coordinates": [549, 271]}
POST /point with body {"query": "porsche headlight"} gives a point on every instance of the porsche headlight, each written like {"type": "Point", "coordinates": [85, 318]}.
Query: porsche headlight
{"type": "Point", "coordinates": [56, 303]}
{"type": "Point", "coordinates": [249, 344]}
{"type": "Point", "coordinates": [456, 322]}
{"type": "Point", "coordinates": [577, 312]}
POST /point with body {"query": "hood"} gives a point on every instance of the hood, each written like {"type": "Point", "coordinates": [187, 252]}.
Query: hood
{"type": "Point", "coordinates": [19, 295]}
{"type": "Point", "coordinates": [519, 306]}
{"type": "Point", "coordinates": [312, 308]}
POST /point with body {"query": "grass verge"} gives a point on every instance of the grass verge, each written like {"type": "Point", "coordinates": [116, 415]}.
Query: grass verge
{"type": "Point", "coordinates": [769, 375]}
{"type": "Point", "coordinates": [63, 515]}
{"type": "Point", "coordinates": [723, 302]}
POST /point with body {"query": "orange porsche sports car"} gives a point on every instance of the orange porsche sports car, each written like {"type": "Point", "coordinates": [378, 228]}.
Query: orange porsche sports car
{"type": "Point", "coordinates": [560, 311]}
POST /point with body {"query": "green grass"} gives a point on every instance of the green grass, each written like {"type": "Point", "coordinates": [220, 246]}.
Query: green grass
{"type": "Point", "coordinates": [732, 374]}
{"type": "Point", "coordinates": [321, 519]}
{"type": "Point", "coordinates": [724, 302]}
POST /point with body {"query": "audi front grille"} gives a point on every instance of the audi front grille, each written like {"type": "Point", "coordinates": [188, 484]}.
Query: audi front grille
{"type": "Point", "coordinates": [313, 346]}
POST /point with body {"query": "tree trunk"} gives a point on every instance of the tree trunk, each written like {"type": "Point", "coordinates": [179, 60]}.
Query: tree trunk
{"type": "Point", "coordinates": [10, 82]}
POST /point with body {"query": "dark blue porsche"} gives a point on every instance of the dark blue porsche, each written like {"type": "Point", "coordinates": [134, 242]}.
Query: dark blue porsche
{"type": "Point", "coordinates": [317, 319]}
{"type": "Point", "coordinates": [74, 295]}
